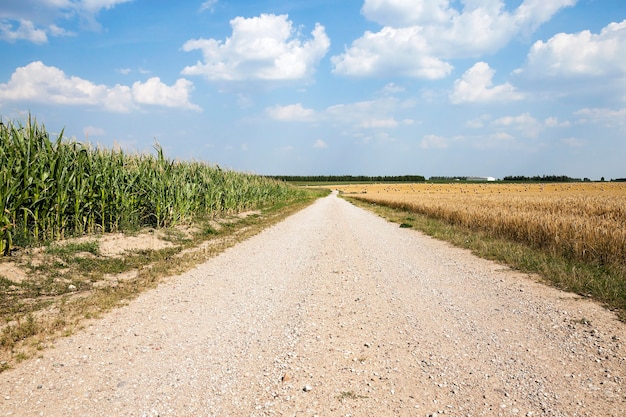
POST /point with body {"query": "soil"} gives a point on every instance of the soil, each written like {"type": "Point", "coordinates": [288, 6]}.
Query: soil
{"type": "Point", "coordinates": [335, 312]}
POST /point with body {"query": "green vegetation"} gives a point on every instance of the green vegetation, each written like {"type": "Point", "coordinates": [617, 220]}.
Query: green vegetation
{"type": "Point", "coordinates": [350, 395]}
{"type": "Point", "coordinates": [54, 189]}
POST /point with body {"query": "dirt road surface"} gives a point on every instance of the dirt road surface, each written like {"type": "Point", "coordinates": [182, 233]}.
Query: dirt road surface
{"type": "Point", "coordinates": [335, 312]}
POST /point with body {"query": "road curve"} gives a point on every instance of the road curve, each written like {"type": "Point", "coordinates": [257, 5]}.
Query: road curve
{"type": "Point", "coordinates": [335, 312]}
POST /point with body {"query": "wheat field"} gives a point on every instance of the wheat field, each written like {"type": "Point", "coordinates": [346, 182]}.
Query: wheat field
{"type": "Point", "coordinates": [581, 221]}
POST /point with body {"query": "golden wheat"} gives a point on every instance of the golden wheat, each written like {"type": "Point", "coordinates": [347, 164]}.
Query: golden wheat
{"type": "Point", "coordinates": [582, 221]}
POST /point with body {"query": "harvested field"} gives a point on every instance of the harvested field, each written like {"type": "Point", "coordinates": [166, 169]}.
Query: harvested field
{"type": "Point", "coordinates": [582, 221]}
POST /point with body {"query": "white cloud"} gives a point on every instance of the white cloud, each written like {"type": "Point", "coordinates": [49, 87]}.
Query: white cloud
{"type": "Point", "coordinates": [360, 112]}
{"type": "Point", "coordinates": [90, 131]}
{"type": "Point", "coordinates": [501, 137]}
{"type": "Point", "coordinates": [260, 48]}
{"type": "Point", "coordinates": [391, 52]}
{"type": "Point", "coordinates": [320, 144]}
{"type": "Point", "coordinates": [605, 117]}
{"type": "Point", "coordinates": [88, 10]}
{"type": "Point", "coordinates": [407, 12]}
{"type": "Point", "coordinates": [35, 19]}
{"type": "Point", "coordinates": [37, 82]}
{"type": "Point", "coordinates": [392, 88]}
{"type": "Point", "coordinates": [96, 6]}
{"type": "Point", "coordinates": [522, 119]}
{"type": "Point", "coordinates": [524, 123]}
{"type": "Point", "coordinates": [154, 92]}
{"type": "Point", "coordinates": [56, 31]}
{"type": "Point", "coordinates": [208, 5]}
{"type": "Point", "coordinates": [291, 113]}
{"type": "Point", "coordinates": [478, 122]}
{"type": "Point", "coordinates": [554, 122]}
{"type": "Point", "coordinates": [476, 85]}
{"type": "Point", "coordinates": [580, 54]}
{"type": "Point", "coordinates": [25, 31]}
{"type": "Point", "coordinates": [419, 35]}
{"type": "Point", "coordinates": [434, 142]}
{"type": "Point", "coordinates": [379, 123]}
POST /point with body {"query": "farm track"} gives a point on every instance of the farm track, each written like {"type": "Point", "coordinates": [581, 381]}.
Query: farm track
{"type": "Point", "coordinates": [335, 312]}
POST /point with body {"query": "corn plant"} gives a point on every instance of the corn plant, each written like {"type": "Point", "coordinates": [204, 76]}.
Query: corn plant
{"type": "Point", "coordinates": [53, 189]}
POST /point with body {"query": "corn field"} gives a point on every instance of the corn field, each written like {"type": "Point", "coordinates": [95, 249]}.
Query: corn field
{"type": "Point", "coordinates": [581, 221]}
{"type": "Point", "coordinates": [53, 189]}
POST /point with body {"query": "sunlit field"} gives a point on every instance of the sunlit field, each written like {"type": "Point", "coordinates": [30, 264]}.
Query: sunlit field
{"type": "Point", "coordinates": [581, 221]}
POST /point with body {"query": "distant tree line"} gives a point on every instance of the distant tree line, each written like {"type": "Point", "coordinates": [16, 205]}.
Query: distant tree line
{"type": "Point", "coordinates": [349, 178]}
{"type": "Point", "coordinates": [543, 178]}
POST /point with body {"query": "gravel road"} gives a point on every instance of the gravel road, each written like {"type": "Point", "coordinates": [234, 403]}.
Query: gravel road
{"type": "Point", "coordinates": [335, 312]}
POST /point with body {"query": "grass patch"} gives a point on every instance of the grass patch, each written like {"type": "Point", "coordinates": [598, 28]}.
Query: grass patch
{"type": "Point", "coordinates": [67, 250]}
{"type": "Point", "coordinates": [604, 283]}
{"type": "Point", "coordinates": [19, 331]}
{"type": "Point", "coordinates": [350, 395]}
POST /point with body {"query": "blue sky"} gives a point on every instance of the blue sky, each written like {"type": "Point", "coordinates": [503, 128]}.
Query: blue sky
{"type": "Point", "coordinates": [321, 87]}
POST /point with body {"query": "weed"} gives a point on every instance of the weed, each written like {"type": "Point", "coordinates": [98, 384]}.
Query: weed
{"type": "Point", "coordinates": [68, 250]}
{"type": "Point", "coordinates": [349, 395]}
{"type": "Point", "coordinates": [14, 333]}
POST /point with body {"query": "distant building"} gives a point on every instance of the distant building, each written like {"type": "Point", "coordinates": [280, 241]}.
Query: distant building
{"type": "Point", "coordinates": [481, 179]}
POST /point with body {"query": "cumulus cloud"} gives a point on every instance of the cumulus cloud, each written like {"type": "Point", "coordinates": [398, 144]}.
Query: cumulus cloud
{"type": "Point", "coordinates": [291, 113]}
{"type": "Point", "coordinates": [434, 142]}
{"type": "Point", "coordinates": [371, 113]}
{"type": "Point", "coordinates": [379, 123]}
{"type": "Point", "coordinates": [25, 30]}
{"type": "Point", "coordinates": [37, 82]}
{"type": "Point", "coordinates": [91, 131]}
{"type": "Point", "coordinates": [407, 12]}
{"type": "Point", "coordinates": [392, 88]}
{"type": "Point", "coordinates": [391, 51]}
{"type": "Point", "coordinates": [266, 47]}
{"type": "Point", "coordinates": [554, 122]}
{"type": "Point", "coordinates": [154, 92]}
{"type": "Point", "coordinates": [580, 54]}
{"type": "Point", "coordinates": [34, 20]}
{"type": "Point", "coordinates": [524, 123]}
{"type": "Point", "coordinates": [602, 116]}
{"type": "Point", "coordinates": [476, 85]}
{"type": "Point", "coordinates": [418, 36]}
{"type": "Point", "coordinates": [478, 122]}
